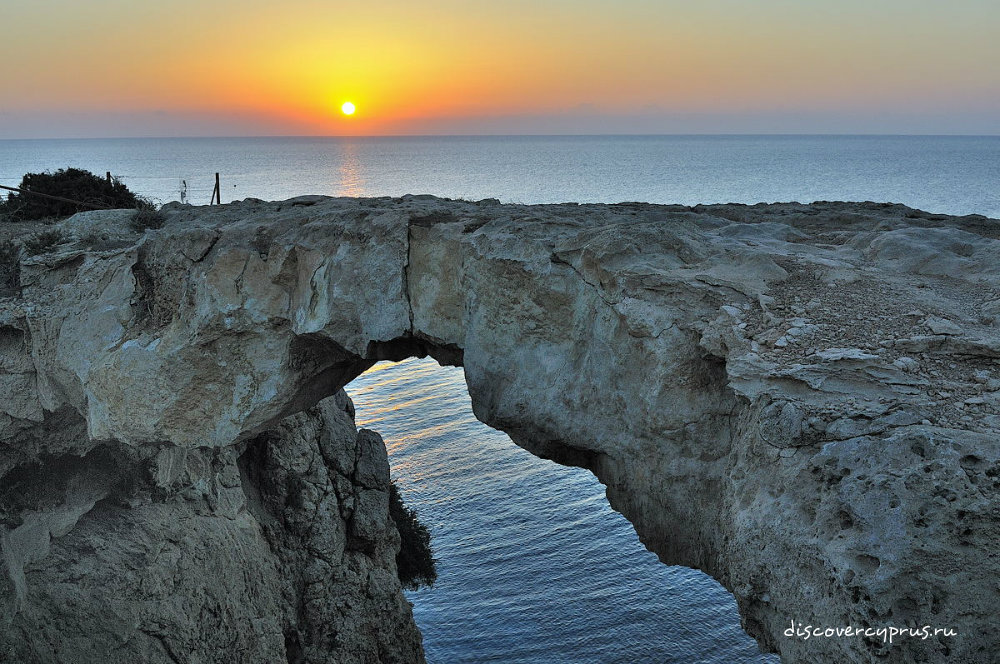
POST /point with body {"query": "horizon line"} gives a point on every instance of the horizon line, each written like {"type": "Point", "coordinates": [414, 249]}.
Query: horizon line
{"type": "Point", "coordinates": [526, 135]}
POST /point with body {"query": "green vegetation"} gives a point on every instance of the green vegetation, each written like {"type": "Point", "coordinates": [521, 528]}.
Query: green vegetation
{"type": "Point", "coordinates": [146, 217]}
{"type": "Point", "coordinates": [10, 266]}
{"type": "Point", "coordinates": [70, 183]}
{"type": "Point", "coordinates": [415, 561]}
{"type": "Point", "coordinates": [44, 242]}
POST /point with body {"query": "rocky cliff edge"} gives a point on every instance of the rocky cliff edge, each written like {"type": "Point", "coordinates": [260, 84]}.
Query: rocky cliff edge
{"type": "Point", "coordinates": [801, 400]}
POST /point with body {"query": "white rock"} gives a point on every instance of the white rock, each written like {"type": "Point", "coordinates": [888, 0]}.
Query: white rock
{"type": "Point", "coordinates": [942, 326]}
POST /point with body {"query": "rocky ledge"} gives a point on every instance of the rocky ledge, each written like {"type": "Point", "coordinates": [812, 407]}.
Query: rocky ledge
{"type": "Point", "coordinates": [801, 400]}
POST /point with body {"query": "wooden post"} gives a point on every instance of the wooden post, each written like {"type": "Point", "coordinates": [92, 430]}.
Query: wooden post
{"type": "Point", "coordinates": [217, 194]}
{"type": "Point", "coordinates": [109, 177]}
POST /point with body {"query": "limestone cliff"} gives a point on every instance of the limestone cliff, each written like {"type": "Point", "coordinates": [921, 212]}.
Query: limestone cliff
{"type": "Point", "coordinates": [800, 400]}
{"type": "Point", "coordinates": [279, 548]}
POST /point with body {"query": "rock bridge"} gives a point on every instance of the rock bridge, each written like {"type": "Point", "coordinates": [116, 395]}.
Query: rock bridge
{"type": "Point", "coordinates": [800, 400]}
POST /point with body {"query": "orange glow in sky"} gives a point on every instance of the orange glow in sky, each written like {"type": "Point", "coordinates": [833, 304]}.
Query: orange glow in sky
{"type": "Point", "coordinates": [476, 67]}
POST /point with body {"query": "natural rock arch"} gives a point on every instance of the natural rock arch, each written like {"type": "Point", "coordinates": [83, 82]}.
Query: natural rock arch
{"type": "Point", "coordinates": [699, 366]}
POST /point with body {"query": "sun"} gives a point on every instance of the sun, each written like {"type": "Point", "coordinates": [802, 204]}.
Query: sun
{"type": "Point", "coordinates": [347, 108]}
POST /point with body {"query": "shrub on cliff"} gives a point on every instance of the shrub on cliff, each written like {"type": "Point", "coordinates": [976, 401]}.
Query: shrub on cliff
{"type": "Point", "coordinates": [71, 183]}
{"type": "Point", "coordinates": [415, 562]}
{"type": "Point", "coordinates": [44, 242]}
{"type": "Point", "coordinates": [10, 266]}
{"type": "Point", "coordinates": [146, 217]}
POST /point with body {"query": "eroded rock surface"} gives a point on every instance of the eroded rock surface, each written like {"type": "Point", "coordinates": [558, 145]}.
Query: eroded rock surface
{"type": "Point", "coordinates": [277, 549]}
{"type": "Point", "coordinates": [801, 400]}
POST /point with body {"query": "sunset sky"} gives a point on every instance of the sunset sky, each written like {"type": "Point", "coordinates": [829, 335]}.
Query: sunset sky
{"type": "Point", "coordinates": [250, 67]}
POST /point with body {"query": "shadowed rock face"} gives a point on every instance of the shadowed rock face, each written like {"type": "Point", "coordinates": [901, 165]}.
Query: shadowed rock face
{"type": "Point", "coordinates": [278, 549]}
{"type": "Point", "coordinates": [800, 400]}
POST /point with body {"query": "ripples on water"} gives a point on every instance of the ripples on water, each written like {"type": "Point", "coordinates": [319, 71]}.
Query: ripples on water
{"type": "Point", "coordinates": [949, 174]}
{"type": "Point", "coordinates": [533, 564]}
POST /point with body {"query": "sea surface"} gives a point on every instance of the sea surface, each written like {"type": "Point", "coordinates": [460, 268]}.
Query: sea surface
{"type": "Point", "coordinates": [534, 566]}
{"type": "Point", "coordinates": [948, 174]}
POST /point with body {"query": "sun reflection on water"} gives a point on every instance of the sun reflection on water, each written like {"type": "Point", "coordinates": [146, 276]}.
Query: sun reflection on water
{"type": "Point", "coordinates": [352, 181]}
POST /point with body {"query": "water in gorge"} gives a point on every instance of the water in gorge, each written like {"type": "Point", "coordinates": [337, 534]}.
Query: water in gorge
{"type": "Point", "coordinates": [533, 564]}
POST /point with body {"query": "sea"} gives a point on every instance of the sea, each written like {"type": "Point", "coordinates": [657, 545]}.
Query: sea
{"type": "Point", "coordinates": [534, 567]}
